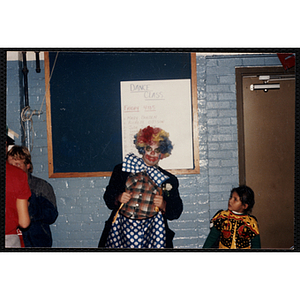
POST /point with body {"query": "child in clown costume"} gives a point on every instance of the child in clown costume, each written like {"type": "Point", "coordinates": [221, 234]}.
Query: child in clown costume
{"type": "Point", "coordinates": [235, 228]}
{"type": "Point", "coordinates": [142, 196]}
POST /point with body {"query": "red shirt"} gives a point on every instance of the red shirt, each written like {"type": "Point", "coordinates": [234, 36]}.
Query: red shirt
{"type": "Point", "coordinates": [16, 188]}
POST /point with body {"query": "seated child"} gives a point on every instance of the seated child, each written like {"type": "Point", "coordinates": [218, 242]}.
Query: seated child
{"type": "Point", "coordinates": [235, 228]}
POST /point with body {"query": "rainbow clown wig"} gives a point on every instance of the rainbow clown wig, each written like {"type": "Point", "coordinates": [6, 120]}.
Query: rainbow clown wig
{"type": "Point", "coordinates": [149, 135]}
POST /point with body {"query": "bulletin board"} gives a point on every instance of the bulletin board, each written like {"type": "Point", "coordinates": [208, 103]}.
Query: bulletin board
{"type": "Point", "coordinates": [87, 102]}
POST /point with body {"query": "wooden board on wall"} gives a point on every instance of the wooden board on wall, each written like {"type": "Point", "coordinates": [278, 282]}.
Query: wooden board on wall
{"type": "Point", "coordinates": [84, 106]}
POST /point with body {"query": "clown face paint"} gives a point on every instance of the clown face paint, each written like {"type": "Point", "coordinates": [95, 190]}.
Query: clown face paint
{"type": "Point", "coordinates": [152, 154]}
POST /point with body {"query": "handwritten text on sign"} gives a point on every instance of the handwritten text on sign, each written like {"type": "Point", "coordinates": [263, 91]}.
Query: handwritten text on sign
{"type": "Point", "coordinates": [159, 103]}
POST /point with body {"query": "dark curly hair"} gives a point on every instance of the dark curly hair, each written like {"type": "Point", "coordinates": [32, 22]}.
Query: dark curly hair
{"type": "Point", "coordinates": [246, 195]}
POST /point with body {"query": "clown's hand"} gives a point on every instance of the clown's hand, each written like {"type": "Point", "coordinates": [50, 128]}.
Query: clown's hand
{"type": "Point", "coordinates": [125, 197]}
{"type": "Point", "coordinates": [159, 202]}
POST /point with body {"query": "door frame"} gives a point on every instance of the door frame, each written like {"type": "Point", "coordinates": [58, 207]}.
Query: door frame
{"type": "Point", "coordinates": [241, 72]}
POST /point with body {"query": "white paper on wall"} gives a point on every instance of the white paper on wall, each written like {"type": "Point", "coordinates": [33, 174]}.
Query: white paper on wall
{"type": "Point", "coordinates": [159, 103]}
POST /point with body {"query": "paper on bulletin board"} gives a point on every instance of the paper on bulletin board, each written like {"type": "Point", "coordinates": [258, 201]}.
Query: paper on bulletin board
{"type": "Point", "coordinates": [165, 104]}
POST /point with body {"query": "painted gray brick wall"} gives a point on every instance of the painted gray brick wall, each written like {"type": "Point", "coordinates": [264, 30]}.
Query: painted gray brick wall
{"type": "Point", "coordinates": [82, 211]}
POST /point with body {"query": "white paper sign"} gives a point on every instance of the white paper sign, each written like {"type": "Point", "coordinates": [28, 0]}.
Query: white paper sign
{"type": "Point", "coordinates": [159, 103]}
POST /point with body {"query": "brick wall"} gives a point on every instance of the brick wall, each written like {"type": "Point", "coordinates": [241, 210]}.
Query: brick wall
{"type": "Point", "coordinates": [82, 211]}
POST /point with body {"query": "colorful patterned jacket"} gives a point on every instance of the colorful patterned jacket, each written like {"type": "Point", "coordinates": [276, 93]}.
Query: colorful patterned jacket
{"type": "Point", "coordinates": [233, 231]}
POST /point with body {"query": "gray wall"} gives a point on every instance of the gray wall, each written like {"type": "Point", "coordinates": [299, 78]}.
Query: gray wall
{"type": "Point", "coordinates": [82, 211]}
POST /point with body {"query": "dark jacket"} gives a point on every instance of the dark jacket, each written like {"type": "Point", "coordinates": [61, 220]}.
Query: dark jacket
{"type": "Point", "coordinates": [116, 186]}
{"type": "Point", "coordinates": [42, 211]}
